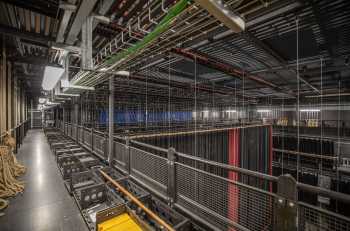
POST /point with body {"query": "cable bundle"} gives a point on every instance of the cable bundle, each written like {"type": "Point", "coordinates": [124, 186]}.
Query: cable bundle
{"type": "Point", "coordinates": [16, 168]}
{"type": "Point", "coordinates": [9, 186]}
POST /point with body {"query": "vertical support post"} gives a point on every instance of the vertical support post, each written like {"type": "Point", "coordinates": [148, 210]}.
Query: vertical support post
{"type": "Point", "coordinates": [31, 114]}
{"type": "Point", "coordinates": [128, 157]}
{"type": "Point", "coordinates": [76, 115]}
{"type": "Point", "coordinates": [171, 189]}
{"type": "Point", "coordinates": [64, 120]}
{"type": "Point", "coordinates": [285, 204]}
{"type": "Point", "coordinates": [110, 118]}
{"type": "Point", "coordinates": [86, 44]}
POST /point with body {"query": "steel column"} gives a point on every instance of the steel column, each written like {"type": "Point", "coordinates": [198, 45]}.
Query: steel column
{"type": "Point", "coordinates": [110, 118]}
{"type": "Point", "coordinates": [285, 204]}
{"type": "Point", "coordinates": [171, 189]}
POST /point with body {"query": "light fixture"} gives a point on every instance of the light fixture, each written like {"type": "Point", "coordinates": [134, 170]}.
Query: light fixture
{"type": "Point", "coordinates": [123, 73]}
{"type": "Point", "coordinates": [42, 100]}
{"type": "Point", "coordinates": [231, 111]}
{"type": "Point", "coordinates": [310, 110]}
{"type": "Point", "coordinates": [263, 110]}
{"type": "Point", "coordinates": [51, 77]}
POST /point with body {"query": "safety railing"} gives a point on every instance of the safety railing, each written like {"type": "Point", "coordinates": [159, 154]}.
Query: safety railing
{"type": "Point", "coordinates": [18, 132]}
{"type": "Point", "coordinates": [230, 199]}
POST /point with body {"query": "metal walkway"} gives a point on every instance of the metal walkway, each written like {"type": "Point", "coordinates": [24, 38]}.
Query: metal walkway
{"type": "Point", "coordinates": [45, 203]}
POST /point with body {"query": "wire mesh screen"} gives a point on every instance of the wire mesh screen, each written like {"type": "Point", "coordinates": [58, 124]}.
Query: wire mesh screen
{"type": "Point", "coordinates": [100, 145]}
{"type": "Point", "coordinates": [87, 137]}
{"type": "Point", "coordinates": [311, 218]}
{"type": "Point", "coordinates": [223, 202]}
{"type": "Point", "coordinates": [81, 134]}
{"type": "Point", "coordinates": [120, 155]}
{"type": "Point", "coordinates": [74, 131]}
{"type": "Point", "coordinates": [150, 169]}
{"type": "Point", "coordinates": [69, 130]}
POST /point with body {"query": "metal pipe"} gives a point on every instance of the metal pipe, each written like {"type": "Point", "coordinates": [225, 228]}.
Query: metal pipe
{"type": "Point", "coordinates": [318, 190]}
{"type": "Point", "coordinates": [138, 202]}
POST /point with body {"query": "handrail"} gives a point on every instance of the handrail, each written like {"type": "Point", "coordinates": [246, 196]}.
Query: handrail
{"type": "Point", "coordinates": [301, 186]}
{"type": "Point", "coordinates": [149, 146]}
{"type": "Point", "coordinates": [230, 167]}
{"type": "Point", "coordinates": [12, 129]}
{"type": "Point", "coordinates": [333, 194]}
{"type": "Point", "coordinates": [326, 156]}
{"type": "Point", "coordinates": [138, 202]}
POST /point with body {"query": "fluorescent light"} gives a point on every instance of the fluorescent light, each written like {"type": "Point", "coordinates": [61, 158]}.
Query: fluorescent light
{"type": "Point", "coordinates": [310, 110]}
{"type": "Point", "coordinates": [52, 103]}
{"type": "Point", "coordinates": [51, 77]}
{"type": "Point", "coordinates": [263, 110]}
{"type": "Point", "coordinates": [231, 111]}
{"type": "Point", "coordinates": [123, 73]}
{"type": "Point", "coordinates": [42, 100]}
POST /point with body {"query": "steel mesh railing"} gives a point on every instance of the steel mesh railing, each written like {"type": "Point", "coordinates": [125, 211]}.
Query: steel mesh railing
{"type": "Point", "coordinates": [241, 204]}
{"type": "Point", "coordinates": [313, 218]}
{"type": "Point", "coordinates": [150, 169]}
{"type": "Point", "coordinates": [120, 155]}
{"type": "Point", "coordinates": [69, 130]}
{"type": "Point", "coordinates": [100, 145]}
{"type": "Point", "coordinates": [229, 204]}
{"type": "Point", "coordinates": [81, 134]}
{"type": "Point", "coordinates": [74, 131]}
{"type": "Point", "coordinates": [87, 138]}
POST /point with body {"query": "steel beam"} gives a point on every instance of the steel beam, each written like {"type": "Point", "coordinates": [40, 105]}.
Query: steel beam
{"type": "Point", "coordinates": [46, 9]}
{"type": "Point", "coordinates": [68, 11]}
{"type": "Point", "coordinates": [81, 16]}
{"type": "Point", "coordinates": [34, 60]}
{"type": "Point", "coordinates": [106, 5]}
{"type": "Point", "coordinates": [14, 32]}
{"type": "Point", "coordinates": [273, 54]}
{"type": "Point", "coordinates": [228, 69]}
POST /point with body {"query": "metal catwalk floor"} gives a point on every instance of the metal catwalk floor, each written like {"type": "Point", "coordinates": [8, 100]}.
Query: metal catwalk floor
{"type": "Point", "coordinates": [45, 203]}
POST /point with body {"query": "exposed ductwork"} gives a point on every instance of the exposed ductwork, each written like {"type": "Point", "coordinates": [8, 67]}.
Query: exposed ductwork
{"type": "Point", "coordinates": [223, 14]}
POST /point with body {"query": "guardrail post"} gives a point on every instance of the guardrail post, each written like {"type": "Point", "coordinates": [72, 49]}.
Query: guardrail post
{"type": "Point", "coordinates": [171, 189]}
{"type": "Point", "coordinates": [285, 204]}
{"type": "Point", "coordinates": [128, 157]}
{"type": "Point", "coordinates": [92, 139]}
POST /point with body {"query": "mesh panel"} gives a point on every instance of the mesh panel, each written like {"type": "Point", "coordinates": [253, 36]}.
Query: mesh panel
{"type": "Point", "coordinates": [321, 220]}
{"type": "Point", "coordinates": [87, 138]}
{"type": "Point", "coordinates": [69, 130]}
{"type": "Point", "coordinates": [81, 134]}
{"type": "Point", "coordinates": [222, 202]}
{"type": "Point", "coordinates": [120, 155]}
{"type": "Point", "coordinates": [74, 132]}
{"type": "Point", "coordinates": [150, 169]}
{"type": "Point", "coordinates": [100, 145]}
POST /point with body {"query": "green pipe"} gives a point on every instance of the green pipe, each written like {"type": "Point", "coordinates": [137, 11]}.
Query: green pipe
{"type": "Point", "coordinates": [160, 28]}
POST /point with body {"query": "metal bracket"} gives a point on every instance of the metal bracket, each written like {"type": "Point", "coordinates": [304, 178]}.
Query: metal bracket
{"type": "Point", "coordinates": [130, 34]}
{"type": "Point", "coordinates": [149, 17]}
{"type": "Point", "coordinates": [139, 26]}
{"type": "Point", "coordinates": [124, 42]}
{"type": "Point", "coordinates": [163, 8]}
{"type": "Point", "coordinates": [285, 204]}
{"type": "Point", "coordinates": [171, 189]}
